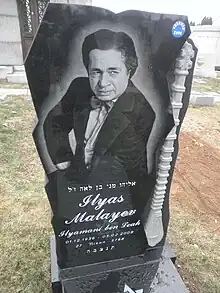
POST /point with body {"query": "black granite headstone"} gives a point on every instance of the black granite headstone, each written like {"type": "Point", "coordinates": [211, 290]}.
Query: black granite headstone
{"type": "Point", "coordinates": [100, 84]}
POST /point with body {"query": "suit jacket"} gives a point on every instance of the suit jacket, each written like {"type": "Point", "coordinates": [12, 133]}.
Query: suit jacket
{"type": "Point", "coordinates": [120, 149]}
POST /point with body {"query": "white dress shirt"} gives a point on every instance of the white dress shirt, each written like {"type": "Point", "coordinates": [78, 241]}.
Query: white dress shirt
{"type": "Point", "coordinates": [96, 120]}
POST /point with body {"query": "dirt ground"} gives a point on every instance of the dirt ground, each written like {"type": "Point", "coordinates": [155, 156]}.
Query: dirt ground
{"type": "Point", "coordinates": [196, 184]}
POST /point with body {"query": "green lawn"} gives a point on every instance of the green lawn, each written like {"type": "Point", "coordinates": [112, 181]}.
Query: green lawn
{"type": "Point", "coordinates": [25, 217]}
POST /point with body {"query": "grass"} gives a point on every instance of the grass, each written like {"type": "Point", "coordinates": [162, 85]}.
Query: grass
{"type": "Point", "coordinates": [24, 209]}
{"type": "Point", "coordinates": [197, 250]}
{"type": "Point", "coordinates": [25, 217]}
{"type": "Point", "coordinates": [210, 85]}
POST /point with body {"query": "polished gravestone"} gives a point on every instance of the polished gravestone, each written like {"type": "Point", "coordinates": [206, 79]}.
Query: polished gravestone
{"type": "Point", "coordinates": [110, 92]}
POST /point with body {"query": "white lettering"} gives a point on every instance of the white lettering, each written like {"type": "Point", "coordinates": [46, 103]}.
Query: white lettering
{"type": "Point", "coordinates": [89, 218]}
{"type": "Point", "coordinates": [128, 225]}
{"type": "Point", "coordinates": [109, 227]}
{"type": "Point", "coordinates": [120, 199]}
{"type": "Point", "coordinates": [124, 214]}
{"type": "Point", "coordinates": [100, 216]}
{"type": "Point", "coordinates": [112, 200]}
{"type": "Point", "coordinates": [86, 200]}
{"type": "Point", "coordinates": [98, 202]}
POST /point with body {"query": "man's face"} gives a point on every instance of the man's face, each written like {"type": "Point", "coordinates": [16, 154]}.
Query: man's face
{"type": "Point", "coordinates": [108, 75]}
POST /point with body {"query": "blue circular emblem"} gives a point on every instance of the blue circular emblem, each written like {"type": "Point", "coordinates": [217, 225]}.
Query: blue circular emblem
{"type": "Point", "coordinates": [178, 29]}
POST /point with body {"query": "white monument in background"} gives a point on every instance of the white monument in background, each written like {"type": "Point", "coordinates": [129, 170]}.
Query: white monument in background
{"type": "Point", "coordinates": [207, 40]}
{"type": "Point", "coordinates": [11, 55]}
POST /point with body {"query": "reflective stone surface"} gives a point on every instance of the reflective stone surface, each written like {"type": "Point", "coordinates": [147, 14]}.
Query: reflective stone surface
{"type": "Point", "coordinates": [100, 84]}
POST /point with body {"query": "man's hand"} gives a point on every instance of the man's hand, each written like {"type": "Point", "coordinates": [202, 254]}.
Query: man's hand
{"type": "Point", "coordinates": [63, 165]}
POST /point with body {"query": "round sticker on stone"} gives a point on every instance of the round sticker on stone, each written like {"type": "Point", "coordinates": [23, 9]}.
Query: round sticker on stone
{"type": "Point", "coordinates": [178, 29]}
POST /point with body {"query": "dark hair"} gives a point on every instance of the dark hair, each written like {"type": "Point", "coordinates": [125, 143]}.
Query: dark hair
{"type": "Point", "coordinates": [104, 40]}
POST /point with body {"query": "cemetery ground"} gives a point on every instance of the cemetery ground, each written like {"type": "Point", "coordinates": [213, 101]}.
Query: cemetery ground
{"type": "Point", "coordinates": [25, 212]}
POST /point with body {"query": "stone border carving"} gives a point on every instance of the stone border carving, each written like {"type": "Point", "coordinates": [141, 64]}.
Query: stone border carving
{"type": "Point", "coordinates": [153, 225]}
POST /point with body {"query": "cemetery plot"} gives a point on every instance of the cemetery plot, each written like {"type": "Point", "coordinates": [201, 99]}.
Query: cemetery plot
{"type": "Point", "coordinates": [22, 206]}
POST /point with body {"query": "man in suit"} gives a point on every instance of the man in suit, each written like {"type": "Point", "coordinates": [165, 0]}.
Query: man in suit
{"type": "Point", "coordinates": [109, 117]}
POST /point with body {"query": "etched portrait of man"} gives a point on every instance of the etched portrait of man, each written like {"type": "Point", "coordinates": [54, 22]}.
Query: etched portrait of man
{"type": "Point", "coordinates": [103, 122]}
{"type": "Point", "coordinates": [102, 86]}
